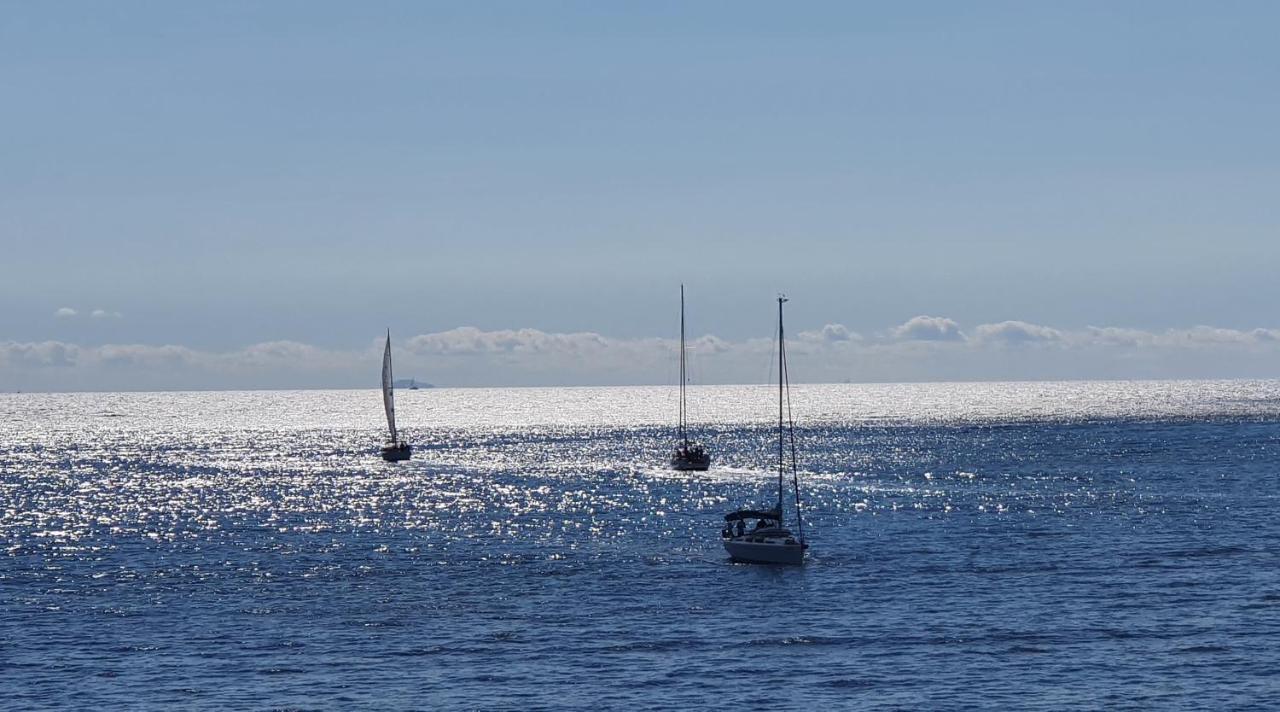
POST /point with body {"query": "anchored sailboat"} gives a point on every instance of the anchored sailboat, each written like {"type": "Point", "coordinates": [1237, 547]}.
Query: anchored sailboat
{"type": "Point", "coordinates": [768, 542]}
{"type": "Point", "coordinates": [394, 450]}
{"type": "Point", "coordinates": [688, 455]}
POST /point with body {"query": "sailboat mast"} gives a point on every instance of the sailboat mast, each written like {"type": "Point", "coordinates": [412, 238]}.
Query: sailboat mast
{"type": "Point", "coordinates": [781, 366]}
{"type": "Point", "coordinates": [684, 438]}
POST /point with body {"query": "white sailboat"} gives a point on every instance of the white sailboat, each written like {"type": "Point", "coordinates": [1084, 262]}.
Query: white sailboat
{"type": "Point", "coordinates": [394, 450]}
{"type": "Point", "coordinates": [688, 455]}
{"type": "Point", "coordinates": [767, 541]}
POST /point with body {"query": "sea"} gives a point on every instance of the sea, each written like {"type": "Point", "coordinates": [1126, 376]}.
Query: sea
{"type": "Point", "coordinates": [1032, 546]}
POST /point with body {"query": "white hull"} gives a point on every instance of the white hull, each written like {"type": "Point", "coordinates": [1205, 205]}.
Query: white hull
{"type": "Point", "coordinates": [764, 550]}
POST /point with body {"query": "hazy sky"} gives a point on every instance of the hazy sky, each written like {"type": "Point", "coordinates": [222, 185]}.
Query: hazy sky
{"type": "Point", "coordinates": [224, 186]}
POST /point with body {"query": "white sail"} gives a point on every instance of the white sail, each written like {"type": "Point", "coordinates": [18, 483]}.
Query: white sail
{"type": "Point", "coordinates": [388, 395]}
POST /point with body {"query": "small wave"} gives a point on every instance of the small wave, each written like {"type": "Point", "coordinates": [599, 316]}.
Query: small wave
{"type": "Point", "coordinates": [661, 645]}
{"type": "Point", "coordinates": [134, 649]}
{"type": "Point", "coordinates": [1202, 552]}
{"type": "Point", "coordinates": [281, 671]}
{"type": "Point", "coordinates": [849, 684]}
{"type": "Point", "coordinates": [419, 652]}
{"type": "Point", "coordinates": [1194, 649]}
{"type": "Point", "coordinates": [815, 640]}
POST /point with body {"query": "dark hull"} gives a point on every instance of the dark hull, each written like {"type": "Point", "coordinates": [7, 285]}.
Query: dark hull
{"type": "Point", "coordinates": [396, 453]}
{"type": "Point", "coordinates": [694, 463]}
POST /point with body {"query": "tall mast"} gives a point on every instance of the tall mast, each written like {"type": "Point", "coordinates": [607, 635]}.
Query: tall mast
{"type": "Point", "coordinates": [684, 438]}
{"type": "Point", "coordinates": [781, 366]}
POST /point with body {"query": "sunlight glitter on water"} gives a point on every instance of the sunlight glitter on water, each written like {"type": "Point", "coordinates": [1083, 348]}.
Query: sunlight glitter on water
{"type": "Point", "coordinates": [540, 533]}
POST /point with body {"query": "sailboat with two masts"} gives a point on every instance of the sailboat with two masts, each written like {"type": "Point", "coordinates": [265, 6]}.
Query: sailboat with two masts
{"type": "Point", "coordinates": [394, 450]}
{"type": "Point", "coordinates": [688, 455]}
{"type": "Point", "coordinates": [768, 541]}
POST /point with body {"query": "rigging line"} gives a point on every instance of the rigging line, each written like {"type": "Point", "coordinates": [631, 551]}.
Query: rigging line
{"type": "Point", "coordinates": [692, 371]}
{"type": "Point", "coordinates": [782, 352]}
{"type": "Point", "coordinates": [765, 442]}
{"type": "Point", "coordinates": [773, 348]}
{"type": "Point", "coordinates": [768, 381]}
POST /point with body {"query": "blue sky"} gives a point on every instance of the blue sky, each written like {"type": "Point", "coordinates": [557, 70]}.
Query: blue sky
{"type": "Point", "coordinates": [213, 177]}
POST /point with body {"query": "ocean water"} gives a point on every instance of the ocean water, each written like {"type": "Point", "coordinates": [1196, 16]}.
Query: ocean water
{"type": "Point", "coordinates": [1030, 546]}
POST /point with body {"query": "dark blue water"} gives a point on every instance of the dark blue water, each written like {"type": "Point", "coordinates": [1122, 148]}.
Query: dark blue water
{"type": "Point", "coordinates": [174, 550]}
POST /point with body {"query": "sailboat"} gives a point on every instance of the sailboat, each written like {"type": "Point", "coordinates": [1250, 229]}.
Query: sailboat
{"type": "Point", "coordinates": [688, 455]}
{"type": "Point", "coordinates": [768, 541]}
{"type": "Point", "coordinates": [394, 450]}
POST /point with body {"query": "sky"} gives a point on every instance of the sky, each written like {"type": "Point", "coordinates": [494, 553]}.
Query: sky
{"type": "Point", "coordinates": [246, 195]}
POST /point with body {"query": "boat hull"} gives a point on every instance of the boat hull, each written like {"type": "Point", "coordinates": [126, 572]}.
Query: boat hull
{"type": "Point", "coordinates": [396, 453]}
{"type": "Point", "coordinates": [742, 549]}
{"type": "Point", "coordinates": [690, 463]}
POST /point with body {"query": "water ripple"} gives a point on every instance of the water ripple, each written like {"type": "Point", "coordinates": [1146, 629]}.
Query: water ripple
{"type": "Point", "coordinates": [1032, 546]}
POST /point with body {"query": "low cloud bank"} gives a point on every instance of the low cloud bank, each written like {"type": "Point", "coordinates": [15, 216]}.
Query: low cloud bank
{"type": "Point", "coordinates": [1015, 332]}
{"type": "Point", "coordinates": [831, 333]}
{"type": "Point", "coordinates": [928, 328]}
{"type": "Point", "coordinates": [921, 348]}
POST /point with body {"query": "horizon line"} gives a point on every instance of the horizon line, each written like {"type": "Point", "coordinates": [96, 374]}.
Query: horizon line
{"type": "Point", "coordinates": [660, 385]}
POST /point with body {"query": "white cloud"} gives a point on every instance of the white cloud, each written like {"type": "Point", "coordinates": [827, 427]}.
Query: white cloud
{"type": "Point", "coordinates": [144, 356]}
{"type": "Point", "coordinates": [1015, 332]}
{"type": "Point", "coordinates": [702, 345]}
{"type": "Point", "coordinates": [65, 313]}
{"type": "Point", "coordinates": [1265, 335]}
{"type": "Point", "coordinates": [41, 354]}
{"type": "Point", "coordinates": [1211, 335]}
{"type": "Point", "coordinates": [1115, 336]}
{"type": "Point", "coordinates": [104, 314]}
{"type": "Point", "coordinates": [831, 333]}
{"type": "Point", "coordinates": [470, 340]}
{"type": "Point", "coordinates": [928, 328]}
{"type": "Point", "coordinates": [1194, 337]}
{"type": "Point", "coordinates": [275, 354]}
